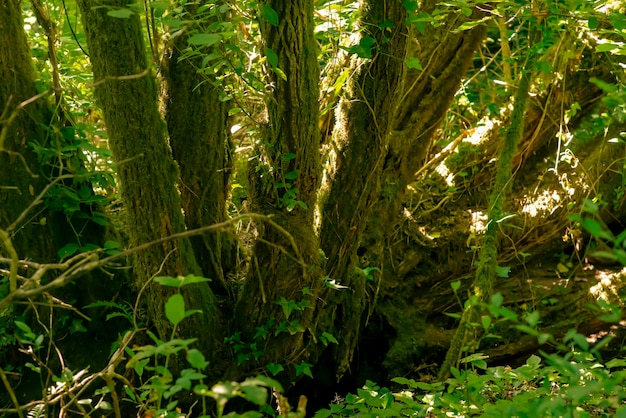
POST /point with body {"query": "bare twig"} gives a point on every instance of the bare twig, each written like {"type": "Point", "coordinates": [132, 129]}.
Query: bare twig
{"type": "Point", "coordinates": [4, 237]}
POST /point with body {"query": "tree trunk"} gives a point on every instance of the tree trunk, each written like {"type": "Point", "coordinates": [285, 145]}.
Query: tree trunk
{"type": "Point", "coordinates": [21, 179]}
{"type": "Point", "coordinates": [284, 180]}
{"type": "Point", "coordinates": [383, 132]}
{"type": "Point", "coordinates": [126, 91]}
{"type": "Point", "coordinates": [197, 122]}
{"type": "Point", "coordinates": [361, 137]}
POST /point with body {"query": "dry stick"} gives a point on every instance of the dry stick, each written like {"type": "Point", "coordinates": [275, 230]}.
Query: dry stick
{"type": "Point", "coordinates": [11, 393]}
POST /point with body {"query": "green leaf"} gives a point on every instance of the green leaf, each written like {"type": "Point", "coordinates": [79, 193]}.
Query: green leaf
{"type": "Point", "coordinates": [328, 338]}
{"type": "Point", "coordinates": [196, 359]}
{"type": "Point", "coordinates": [413, 63]}
{"type": "Point", "coordinates": [261, 380]}
{"type": "Point", "coordinates": [534, 361]}
{"type": "Point", "coordinates": [272, 57]}
{"type": "Point", "coordinates": [274, 369]}
{"type": "Point", "coordinates": [589, 205]}
{"type": "Point", "coordinates": [167, 281]}
{"type": "Point", "coordinates": [23, 326]}
{"type": "Point", "coordinates": [304, 368]}
{"type": "Point", "coordinates": [191, 279]}
{"type": "Point", "coordinates": [593, 22]}
{"type": "Point", "coordinates": [532, 318]}
{"type": "Point", "coordinates": [204, 39]}
{"type": "Point", "coordinates": [503, 271]}
{"type": "Point", "coordinates": [486, 321]}
{"type": "Point", "coordinates": [180, 281]}
{"type": "Point", "coordinates": [496, 300]}
{"type": "Point", "coordinates": [121, 13]}
{"type": "Point", "coordinates": [175, 308]}
{"type": "Point", "coordinates": [270, 15]}
{"type": "Point", "coordinates": [606, 47]}
{"type": "Point", "coordinates": [292, 175]}
{"type": "Point", "coordinates": [597, 229]}
{"type": "Point", "coordinates": [616, 362]}
{"type": "Point", "coordinates": [289, 156]}
{"type": "Point", "coordinates": [255, 394]}
{"type": "Point", "coordinates": [67, 250]}
{"type": "Point", "coordinates": [455, 285]}
{"type": "Point", "coordinates": [388, 23]}
{"type": "Point", "coordinates": [112, 245]}
{"type": "Point", "coordinates": [288, 306]}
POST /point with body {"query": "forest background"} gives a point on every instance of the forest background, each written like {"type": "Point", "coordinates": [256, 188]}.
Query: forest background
{"type": "Point", "coordinates": [213, 207]}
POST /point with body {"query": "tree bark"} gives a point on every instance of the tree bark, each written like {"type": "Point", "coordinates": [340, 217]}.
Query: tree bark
{"type": "Point", "coordinates": [197, 122]}
{"type": "Point", "coordinates": [361, 137]}
{"type": "Point", "coordinates": [284, 180]}
{"type": "Point", "coordinates": [126, 91]}
{"type": "Point", "coordinates": [382, 134]}
{"type": "Point", "coordinates": [21, 116]}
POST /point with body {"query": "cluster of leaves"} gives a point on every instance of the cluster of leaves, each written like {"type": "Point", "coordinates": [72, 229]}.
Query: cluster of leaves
{"type": "Point", "coordinates": [576, 384]}
{"type": "Point", "coordinates": [573, 381]}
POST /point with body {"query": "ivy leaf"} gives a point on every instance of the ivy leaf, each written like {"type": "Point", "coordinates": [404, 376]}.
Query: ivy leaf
{"type": "Point", "coordinates": [304, 368]}
{"type": "Point", "coordinates": [274, 369]}
{"type": "Point", "coordinates": [175, 309]}
{"type": "Point", "coordinates": [270, 15]}
{"type": "Point", "coordinates": [413, 63]}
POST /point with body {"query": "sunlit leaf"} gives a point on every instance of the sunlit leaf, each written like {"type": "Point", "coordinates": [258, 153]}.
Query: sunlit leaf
{"type": "Point", "coordinates": [175, 308]}
{"type": "Point", "coordinates": [196, 359]}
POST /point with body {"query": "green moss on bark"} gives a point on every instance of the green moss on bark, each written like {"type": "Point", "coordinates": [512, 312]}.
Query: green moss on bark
{"type": "Point", "coordinates": [126, 92]}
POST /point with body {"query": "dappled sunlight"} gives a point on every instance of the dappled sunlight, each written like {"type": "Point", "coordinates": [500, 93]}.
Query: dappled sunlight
{"type": "Point", "coordinates": [483, 130]}
{"type": "Point", "coordinates": [608, 286]}
{"type": "Point", "coordinates": [546, 202]}
{"type": "Point", "coordinates": [479, 222]}
{"type": "Point", "coordinates": [448, 176]}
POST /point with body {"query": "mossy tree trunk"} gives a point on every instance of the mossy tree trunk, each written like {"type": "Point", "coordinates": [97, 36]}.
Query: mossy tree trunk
{"type": "Point", "coordinates": [284, 179]}
{"type": "Point", "coordinates": [197, 121]}
{"type": "Point", "coordinates": [21, 179]}
{"type": "Point", "coordinates": [361, 137]}
{"type": "Point", "coordinates": [126, 91]}
{"type": "Point", "coordinates": [382, 133]}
